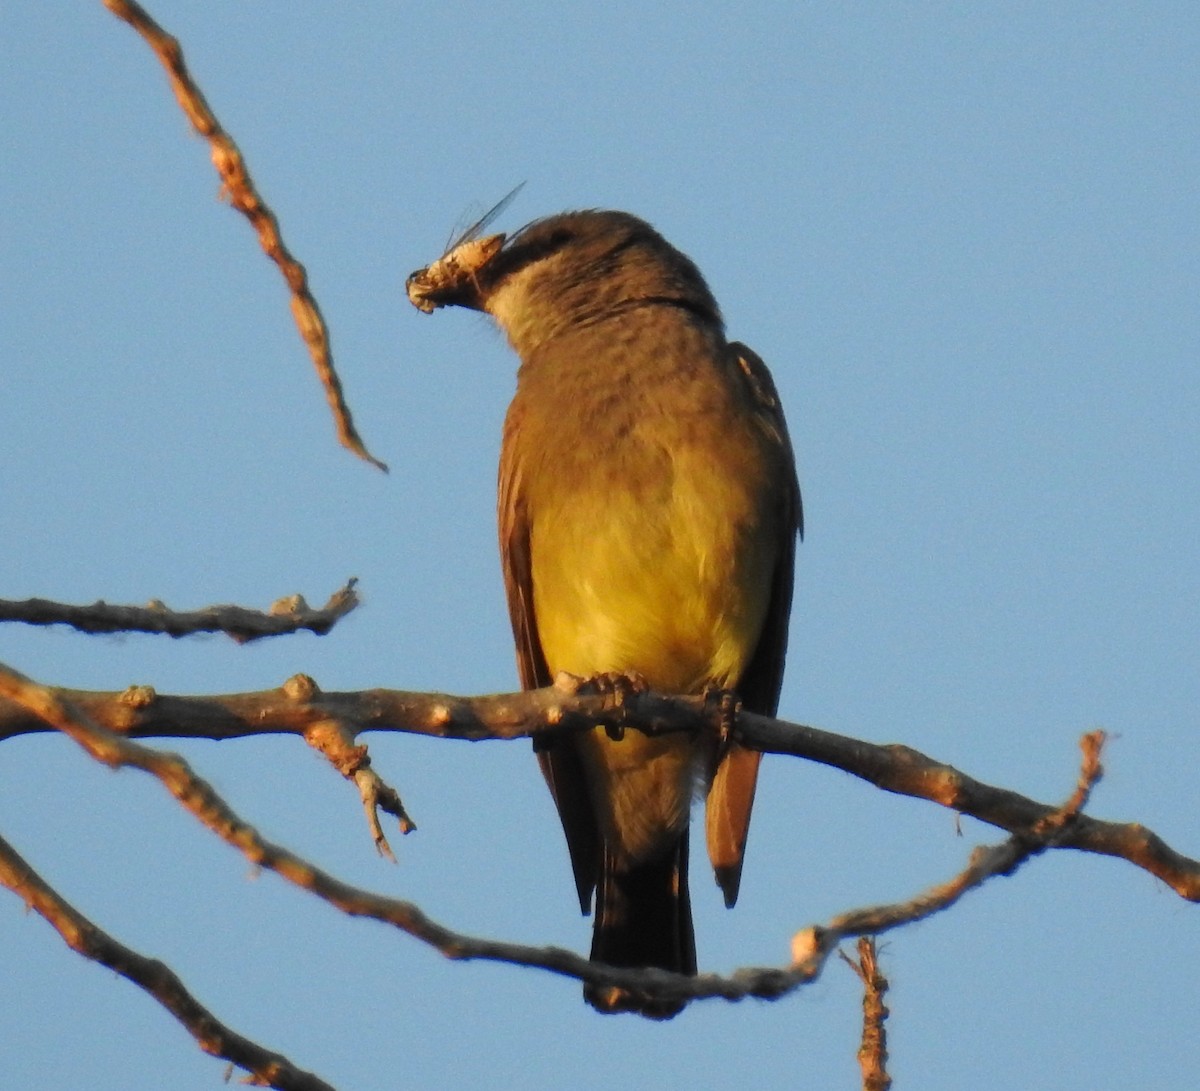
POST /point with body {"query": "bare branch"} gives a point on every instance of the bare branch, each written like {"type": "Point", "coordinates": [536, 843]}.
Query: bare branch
{"type": "Point", "coordinates": [905, 771]}
{"type": "Point", "coordinates": [810, 948]}
{"type": "Point", "coordinates": [872, 1054]}
{"type": "Point", "coordinates": [354, 763]}
{"type": "Point", "coordinates": [268, 1069]}
{"type": "Point", "coordinates": [141, 713]}
{"type": "Point", "coordinates": [986, 862]}
{"type": "Point", "coordinates": [287, 615]}
{"type": "Point", "coordinates": [239, 188]}
{"type": "Point", "coordinates": [198, 797]}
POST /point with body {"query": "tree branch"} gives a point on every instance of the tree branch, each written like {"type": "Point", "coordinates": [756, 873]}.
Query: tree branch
{"type": "Point", "coordinates": [268, 1069]}
{"type": "Point", "coordinates": [239, 189]}
{"type": "Point", "coordinates": [337, 744]}
{"type": "Point", "coordinates": [286, 615]}
{"type": "Point", "coordinates": [140, 713]}
{"type": "Point", "coordinates": [810, 948]}
{"type": "Point", "coordinates": [872, 1054]}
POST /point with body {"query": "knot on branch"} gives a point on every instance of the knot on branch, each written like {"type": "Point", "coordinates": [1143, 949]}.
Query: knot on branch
{"type": "Point", "coordinates": [289, 606]}
{"type": "Point", "coordinates": [138, 697]}
{"type": "Point", "coordinates": [301, 688]}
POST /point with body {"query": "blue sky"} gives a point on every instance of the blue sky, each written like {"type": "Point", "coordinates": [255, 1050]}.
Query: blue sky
{"type": "Point", "coordinates": [965, 238]}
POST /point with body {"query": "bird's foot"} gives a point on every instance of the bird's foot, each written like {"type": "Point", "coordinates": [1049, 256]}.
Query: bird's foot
{"type": "Point", "coordinates": [725, 705]}
{"type": "Point", "coordinates": [617, 685]}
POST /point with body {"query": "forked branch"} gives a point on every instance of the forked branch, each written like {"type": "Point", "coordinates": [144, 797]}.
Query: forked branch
{"type": "Point", "coordinates": [810, 948]}
{"type": "Point", "coordinates": [139, 712]}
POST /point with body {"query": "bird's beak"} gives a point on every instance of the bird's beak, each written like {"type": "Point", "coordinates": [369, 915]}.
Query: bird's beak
{"type": "Point", "coordinates": [454, 280]}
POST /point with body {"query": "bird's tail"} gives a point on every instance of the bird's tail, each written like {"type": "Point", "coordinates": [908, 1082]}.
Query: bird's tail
{"type": "Point", "coordinates": [643, 918]}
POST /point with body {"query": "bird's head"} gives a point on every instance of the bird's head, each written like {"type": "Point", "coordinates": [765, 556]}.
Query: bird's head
{"type": "Point", "coordinates": [564, 270]}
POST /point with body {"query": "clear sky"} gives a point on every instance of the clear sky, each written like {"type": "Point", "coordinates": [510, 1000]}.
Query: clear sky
{"type": "Point", "coordinates": [965, 238]}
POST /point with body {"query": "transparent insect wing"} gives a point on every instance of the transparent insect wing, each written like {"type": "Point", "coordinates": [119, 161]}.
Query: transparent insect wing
{"type": "Point", "coordinates": [473, 232]}
{"type": "Point", "coordinates": [461, 261]}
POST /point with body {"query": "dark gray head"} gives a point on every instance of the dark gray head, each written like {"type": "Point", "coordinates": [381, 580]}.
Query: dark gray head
{"type": "Point", "coordinates": [571, 269]}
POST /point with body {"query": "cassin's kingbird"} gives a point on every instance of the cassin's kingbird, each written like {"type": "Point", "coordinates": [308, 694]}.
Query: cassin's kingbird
{"type": "Point", "coordinates": [648, 514]}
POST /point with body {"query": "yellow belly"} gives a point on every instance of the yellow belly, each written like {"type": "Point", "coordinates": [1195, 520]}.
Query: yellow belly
{"type": "Point", "coordinates": [675, 595]}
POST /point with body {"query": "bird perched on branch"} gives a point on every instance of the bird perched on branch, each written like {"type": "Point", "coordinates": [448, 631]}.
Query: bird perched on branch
{"type": "Point", "coordinates": [648, 513]}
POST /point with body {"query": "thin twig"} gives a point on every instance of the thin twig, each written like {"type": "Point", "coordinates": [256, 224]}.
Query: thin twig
{"type": "Point", "coordinates": [337, 744]}
{"type": "Point", "coordinates": [287, 615]}
{"type": "Point", "coordinates": [811, 946]}
{"type": "Point", "coordinates": [267, 1068]}
{"type": "Point", "coordinates": [239, 188]}
{"type": "Point", "coordinates": [872, 1053]}
{"type": "Point", "coordinates": [986, 862]}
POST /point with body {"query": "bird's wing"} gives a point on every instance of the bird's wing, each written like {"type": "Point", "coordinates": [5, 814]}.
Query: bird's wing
{"type": "Point", "coordinates": [559, 761]}
{"type": "Point", "coordinates": [731, 795]}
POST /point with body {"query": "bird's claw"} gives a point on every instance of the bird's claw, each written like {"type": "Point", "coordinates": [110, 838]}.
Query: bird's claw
{"type": "Point", "coordinates": [725, 705]}
{"type": "Point", "coordinates": [616, 685]}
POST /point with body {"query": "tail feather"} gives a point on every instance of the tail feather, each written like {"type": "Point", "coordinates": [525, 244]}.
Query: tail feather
{"type": "Point", "coordinates": [643, 918]}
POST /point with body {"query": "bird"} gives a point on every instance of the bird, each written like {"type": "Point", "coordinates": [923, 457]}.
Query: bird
{"type": "Point", "coordinates": [648, 513]}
